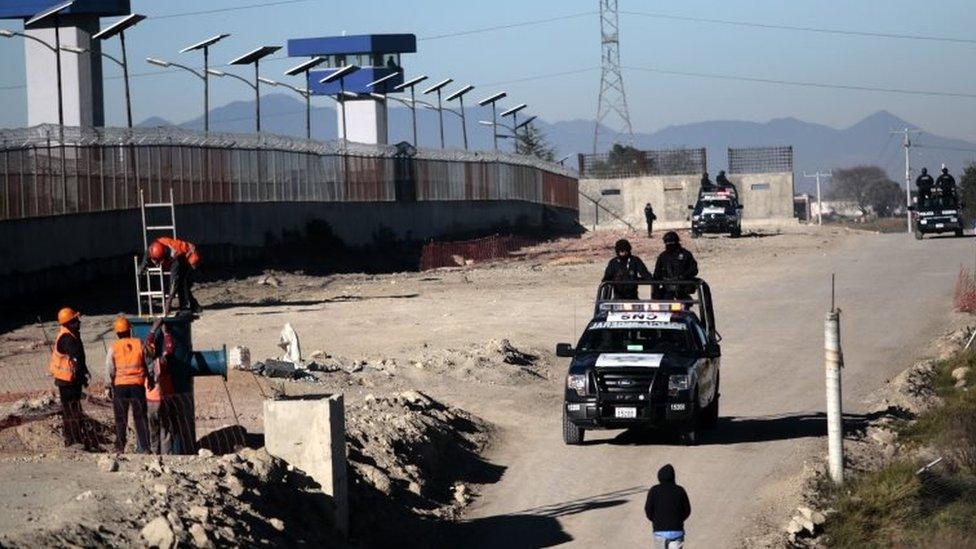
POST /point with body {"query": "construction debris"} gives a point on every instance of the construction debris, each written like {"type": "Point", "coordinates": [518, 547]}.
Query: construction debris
{"type": "Point", "coordinates": [288, 341]}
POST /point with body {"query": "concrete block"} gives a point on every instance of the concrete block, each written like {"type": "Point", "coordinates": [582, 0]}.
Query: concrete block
{"type": "Point", "coordinates": [309, 433]}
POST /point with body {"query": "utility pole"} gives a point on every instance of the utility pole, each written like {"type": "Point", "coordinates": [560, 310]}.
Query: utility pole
{"type": "Point", "coordinates": [612, 96]}
{"type": "Point", "coordinates": [833, 362]}
{"type": "Point", "coordinates": [818, 175]}
{"type": "Point", "coordinates": [907, 144]}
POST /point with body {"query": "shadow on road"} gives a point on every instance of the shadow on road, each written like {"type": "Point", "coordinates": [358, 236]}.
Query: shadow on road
{"type": "Point", "coordinates": [744, 430]}
{"type": "Point", "coordinates": [535, 527]}
{"type": "Point", "coordinates": [302, 303]}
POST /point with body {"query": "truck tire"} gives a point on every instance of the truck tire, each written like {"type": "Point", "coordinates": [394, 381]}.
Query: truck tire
{"type": "Point", "coordinates": [736, 232]}
{"type": "Point", "coordinates": [572, 434]}
{"type": "Point", "coordinates": [959, 232]}
{"type": "Point", "coordinates": [710, 413]}
{"type": "Point", "coordinates": [695, 234]}
{"type": "Point", "coordinates": [689, 436]}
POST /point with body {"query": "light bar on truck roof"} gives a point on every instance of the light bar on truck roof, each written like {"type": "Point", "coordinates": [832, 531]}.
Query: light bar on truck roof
{"type": "Point", "coordinates": [660, 306]}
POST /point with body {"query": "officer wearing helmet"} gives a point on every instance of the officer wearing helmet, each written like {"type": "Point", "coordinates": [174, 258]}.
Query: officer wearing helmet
{"type": "Point", "coordinates": [674, 263]}
{"type": "Point", "coordinates": [924, 183]}
{"type": "Point", "coordinates": [180, 258]}
{"type": "Point", "coordinates": [946, 183]}
{"type": "Point", "coordinates": [625, 267]}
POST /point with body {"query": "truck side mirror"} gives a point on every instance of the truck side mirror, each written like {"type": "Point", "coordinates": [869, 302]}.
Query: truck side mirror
{"type": "Point", "coordinates": [738, 206]}
{"type": "Point", "coordinates": [690, 207]}
{"type": "Point", "coordinates": [712, 350]}
{"type": "Point", "coordinates": [565, 350]}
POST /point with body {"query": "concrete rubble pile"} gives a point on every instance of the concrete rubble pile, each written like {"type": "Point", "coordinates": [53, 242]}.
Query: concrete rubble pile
{"type": "Point", "coordinates": [242, 499]}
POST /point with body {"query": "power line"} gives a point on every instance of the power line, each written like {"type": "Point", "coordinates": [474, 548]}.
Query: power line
{"type": "Point", "coordinates": [802, 84]}
{"type": "Point", "coordinates": [508, 26]}
{"type": "Point", "coordinates": [539, 77]}
{"type": "Point", "coordinates": [939, 147]}
{"type": "Point", "coordinates": [222, 10]}
{"type": "Point", "coordinates": [821, 30]}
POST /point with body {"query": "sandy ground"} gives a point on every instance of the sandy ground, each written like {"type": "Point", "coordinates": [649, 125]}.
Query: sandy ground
{"type": "Point", "coordinates": [771, 292]}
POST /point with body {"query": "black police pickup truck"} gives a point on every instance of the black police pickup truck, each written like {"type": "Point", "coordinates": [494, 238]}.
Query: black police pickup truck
{"type": "Point", "coordinates": [938, 213]}
{"type": "Point", "coordinates": [644, 363]}
{"type": "Point", "coordinates": [717, 212]}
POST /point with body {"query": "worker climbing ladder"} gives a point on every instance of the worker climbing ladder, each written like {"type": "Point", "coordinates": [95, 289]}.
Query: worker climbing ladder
{"type": "Point", "coordinates": [151, 285]}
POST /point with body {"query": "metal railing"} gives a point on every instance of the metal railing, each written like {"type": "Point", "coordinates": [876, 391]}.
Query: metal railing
{"type": "Point", "coordinates": [105, 168]}
{"type": "Point", "coordinates": [629, 162]}
{"type": "Point", "coordinates": [761, 160]}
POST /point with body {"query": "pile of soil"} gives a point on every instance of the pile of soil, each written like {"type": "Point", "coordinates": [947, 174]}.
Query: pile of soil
{"type": "Point", "coordinates": [495, 362]}
{"type": "Point", "coordinates": [243, 499]}
{"type": "Point", "coordinates": [410, 458]}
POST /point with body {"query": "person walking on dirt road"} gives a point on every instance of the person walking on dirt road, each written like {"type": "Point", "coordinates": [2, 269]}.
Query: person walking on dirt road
{"type": "Point", "coordinates": [649, 217]}
{"type": "Point", "coordinates": [667, 507]}
{"type": "Point", "coordinates": [70, 372]}
{"type": "Point", "coordinates": [625, 267]}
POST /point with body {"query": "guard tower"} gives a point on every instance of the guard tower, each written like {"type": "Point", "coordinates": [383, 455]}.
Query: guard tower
{"type": "Point", "coordinates": [377, 56]}
{"type": "Point", "coordinates": [81, 74]}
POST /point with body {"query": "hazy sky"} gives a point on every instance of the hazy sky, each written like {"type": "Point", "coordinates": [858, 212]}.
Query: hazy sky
{"type": "Point", "coordinates": [501, 59]}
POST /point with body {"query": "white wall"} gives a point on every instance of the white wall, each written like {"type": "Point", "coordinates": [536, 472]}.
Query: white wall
{"type": "Point", "coordinates": [81, 77]}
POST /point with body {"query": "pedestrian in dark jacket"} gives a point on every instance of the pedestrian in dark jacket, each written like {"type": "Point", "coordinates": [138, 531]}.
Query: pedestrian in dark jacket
{"type": "Point", "coordinates": [674, 263]}
{"type": "Point", "coordinates": [649, 217]}
{"type": "Point", "coordinates": [946, 183]}
{"type": "Point", "coordinates": [924, 182]}
{"type": "Point", "coordinates": [667, 507]}
{"type": "Point", "coordinates": [625, 268]}
{"type": "Point", "coordinates": [706, 185]}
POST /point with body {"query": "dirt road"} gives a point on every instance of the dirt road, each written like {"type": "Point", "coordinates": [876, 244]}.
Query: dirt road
{"type": "Point", "coordinates": [895, 294]}
{"type": "Point", "coordinates": [771, 294]}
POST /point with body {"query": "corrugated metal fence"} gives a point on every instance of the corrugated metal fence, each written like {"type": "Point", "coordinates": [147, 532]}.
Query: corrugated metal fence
{"type": "Point", "coordinates": [100, 170]}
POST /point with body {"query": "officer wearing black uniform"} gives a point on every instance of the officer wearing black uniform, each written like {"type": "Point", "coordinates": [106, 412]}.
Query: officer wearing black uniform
{"type": "Point", "coordinates": [706, 185]}
{"type": "Point", "coordinates": [946, 183]}
{"type": "Point", "coordinates": [674, 263]}
{"type": "Point", "coordinates": [924, 184]}
{"type": "Point", "coordinates": [625, 268]}
{"type": "Point", "coordinates": [649, 217]}
{"type": "Point", "coordinates": [721, 180]}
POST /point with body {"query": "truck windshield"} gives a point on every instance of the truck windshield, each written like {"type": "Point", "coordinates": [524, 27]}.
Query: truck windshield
{"type": "Point", "coordinates": [636, 340]}
{"type": "Point", "coordinates": [724, 205]}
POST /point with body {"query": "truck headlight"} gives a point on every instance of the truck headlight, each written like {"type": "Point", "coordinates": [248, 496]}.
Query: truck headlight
{"type": "Point", "coordinates": [695, 217]}
{"type": "Point", "coordinates": [924, 221]}
{"type": "Point", "coordinates": [953, 220]}
{"type": "Point", "coordinates": [678, 383]}
{"type": "Point", "coordinates": [575, 382]}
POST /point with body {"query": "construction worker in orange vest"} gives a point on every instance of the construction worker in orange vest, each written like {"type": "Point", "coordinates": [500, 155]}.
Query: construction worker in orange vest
{"type": "Point", "coordinates": [125, 368]}
{"type": "Point", "coordinates": [180, 258]}
{"type": "Point", "coordinates": [162, 409]}
{"type": "Point", "coordinates": [70, 373]}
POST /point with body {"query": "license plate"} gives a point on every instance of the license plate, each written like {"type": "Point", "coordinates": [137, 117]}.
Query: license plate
{"type": "Point", "coordinates": [939, 225]}
{"type": "Point", "coordinates": [625, 413]}
{"type": "Point", "coordinates": [678, 406]}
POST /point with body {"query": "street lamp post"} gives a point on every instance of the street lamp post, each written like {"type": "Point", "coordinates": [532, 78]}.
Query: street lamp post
{"type": "Point", "coordinates": [440, 113]}
{"type": "Point", "coordinates": [341, 75]}
{"type": "Point", "coordinates": [413, 108]}
{"type": "Point", "coordinates": [119, 28]}
{"type": "Point", "coordinates": [491, 100]}
{"type": "Point", "coordinates": [459, 95]}
{"type": "Point", "coordinates": [254, 57]}
{"type": "Point", "coordinates": [205, 46]}
{"type": "Point", "coordinates": [513, 112]}
{"type": "Point", "coordinates": [304, 67]}
{"type": "Point", "coordinates": [513, 129]}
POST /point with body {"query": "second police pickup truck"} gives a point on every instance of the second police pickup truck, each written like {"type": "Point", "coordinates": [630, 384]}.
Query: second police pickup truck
{"type": "Point", "coordinates": [644, 363]}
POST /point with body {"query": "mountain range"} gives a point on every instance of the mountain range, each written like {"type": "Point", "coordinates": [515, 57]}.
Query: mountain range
{"type": "Point", "coordinates": [815, 146]}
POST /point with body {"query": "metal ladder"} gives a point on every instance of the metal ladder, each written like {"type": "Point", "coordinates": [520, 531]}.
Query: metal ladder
{"type": "Point", "coordinates": [152, 285]}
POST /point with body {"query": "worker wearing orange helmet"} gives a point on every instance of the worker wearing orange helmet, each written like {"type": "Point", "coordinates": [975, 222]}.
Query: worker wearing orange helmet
{"type": "Point", "coordinates": [180, 258]}
{"type": "Point", "coordinates": [128, 377]}
{"type": "Point", "coordinates": [70, 372]}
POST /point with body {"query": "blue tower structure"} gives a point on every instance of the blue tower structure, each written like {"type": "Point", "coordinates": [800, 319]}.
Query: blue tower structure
{"type": "Point", "coordinates": [377, 56]}
{"type": "Point", "coordinates": [81, 74]}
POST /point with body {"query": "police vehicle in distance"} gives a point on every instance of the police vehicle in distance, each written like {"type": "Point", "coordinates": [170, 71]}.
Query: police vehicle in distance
{"type": "Point", "coordinates": [644, 363]}
{"type": "Point", "coordinates": [717, 212]}
{"type": "Point", "coordinates": [938, 211]}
